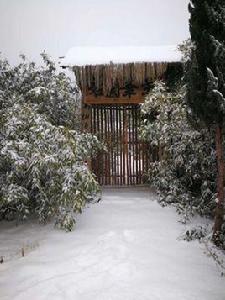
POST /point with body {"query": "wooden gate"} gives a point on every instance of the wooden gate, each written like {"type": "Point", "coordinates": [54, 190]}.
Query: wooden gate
{"type": "Point", "coordinates": [127, 157]}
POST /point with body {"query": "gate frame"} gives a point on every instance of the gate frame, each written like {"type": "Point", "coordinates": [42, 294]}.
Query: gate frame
{"type": "Point", "coordinates": [118, 84]}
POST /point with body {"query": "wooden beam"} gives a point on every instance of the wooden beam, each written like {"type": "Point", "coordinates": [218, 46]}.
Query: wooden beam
{"type": "Point", "coordinates": [106, 100]}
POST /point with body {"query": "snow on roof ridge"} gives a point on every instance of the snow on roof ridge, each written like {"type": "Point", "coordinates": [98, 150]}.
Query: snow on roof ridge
{"type": "Point", "coordinates": [95, 55]}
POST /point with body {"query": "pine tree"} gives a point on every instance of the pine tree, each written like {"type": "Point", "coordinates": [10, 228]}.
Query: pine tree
{"type": "Point", "coordinates": [206, 81]}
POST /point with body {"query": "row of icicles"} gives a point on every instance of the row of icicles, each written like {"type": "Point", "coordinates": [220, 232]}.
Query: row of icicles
{"type": "Point", "coordinates": [105, 77]}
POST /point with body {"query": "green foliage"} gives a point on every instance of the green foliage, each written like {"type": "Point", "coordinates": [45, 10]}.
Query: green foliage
{"type": "Point", "coordinates": [42, 156]}
{"type": "Point", "coordinates": [205, 77]}
{"type": "Point", "coordinates": [205, 69]}
{"type": "Point", "coordinates": [196, 233]}
{"type": "Point", "coordinates": [173, 75]}
{"type": "Point", "coordinates": [54, 94]}
{"type": "Point", "coordinates": [185, 175]}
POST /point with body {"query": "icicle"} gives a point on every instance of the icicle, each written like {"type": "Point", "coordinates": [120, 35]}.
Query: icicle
{"type": "Point", "coordinates": [108, 76]}
{"type": "Point", "coordinates": [148, 70]}
{"type": "Point", "coordinates": [89, 77]}
{"type": "Point", "coordinates": [97, 77]}
{"type": "Point", "coordinates": [165, 67]}
{"type": "Point", "coordinates": [107, 79]}
{"type": "Point", "coordinates": [153, 72]}
{"type": "Point", "coordinates": [157, 70]}
{"type": "Point", "coordinates": [135, 73]}
{"type": "Point", "coordinates": [104, 80]}
{"type": "Point", "coordinates": [120, 75]}
{"type": "Point", "coordinates": [127, 73]}
{"type": "Point", "coordinates": [77, 76]}
{"type": "Point", "coordinates": [84, 80]}
{"type": "Point", "coordinates": [100, 77]}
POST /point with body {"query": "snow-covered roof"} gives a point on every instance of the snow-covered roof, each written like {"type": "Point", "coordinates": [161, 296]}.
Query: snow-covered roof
{"type": "Point", "coordinates": [81, 56]}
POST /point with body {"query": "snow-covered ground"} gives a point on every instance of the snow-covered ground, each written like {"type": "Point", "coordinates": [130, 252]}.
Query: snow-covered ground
{"type": "Point", "coordinates": [125, 247]}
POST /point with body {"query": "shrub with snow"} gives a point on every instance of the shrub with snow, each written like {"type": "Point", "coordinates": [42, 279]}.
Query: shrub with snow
{"type": "Point", "coordinates": [42, 153]}
{"type": "Point", "coordinates": [185, 175]}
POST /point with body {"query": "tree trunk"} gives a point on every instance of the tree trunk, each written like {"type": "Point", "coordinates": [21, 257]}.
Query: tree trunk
{"type": "Point", "coordinates": [220, 180]}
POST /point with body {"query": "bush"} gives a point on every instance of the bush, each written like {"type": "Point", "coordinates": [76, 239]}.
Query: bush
{"type": "Point", "coordinates": [185, 175]}
{"type": "Point", "coordinates": [42, 162]}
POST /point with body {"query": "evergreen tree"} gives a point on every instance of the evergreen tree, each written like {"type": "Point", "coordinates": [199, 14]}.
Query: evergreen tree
{"type": "Point", "coordinates": [206, 81]}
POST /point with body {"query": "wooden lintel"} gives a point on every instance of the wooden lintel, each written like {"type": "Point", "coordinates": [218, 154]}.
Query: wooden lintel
{"type": "Point", "coordinates": [107, 100]}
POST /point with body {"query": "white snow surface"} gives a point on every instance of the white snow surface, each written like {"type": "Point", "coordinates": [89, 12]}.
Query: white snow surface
{"type": "Point", "coordinates": [81, 56]}
{"type": "Point", "coordinates": [125, 247]}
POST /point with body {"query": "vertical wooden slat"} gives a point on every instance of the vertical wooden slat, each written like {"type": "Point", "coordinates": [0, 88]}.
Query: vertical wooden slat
{"type": "Point", "coordinates": [120, 145]}
{"type": "Point", "coordinates": [114, 144]}
{"type": "Point", "coordinates": [117, 145]}
{"type": "Point", "coordinates": [136, 146]}
{"type": "Point", "coordinates": [106, 154]}
{"type": "Point", "coordinates": [129, 145]}
{"type": "Point", "coordinates": [133, 150]}
{"type": "Point", "coordinates": [109, 146]}
{"type": "Point", "coordinates": [127, 154]}
{"type": "Point", "coordinates": [138, 150]}
{"type": "Point", "coordinates": [133, 141]}
{"type": "Point", "coordinates": [124, 147]}
{"type": "Point", "coordinates": [102, 139]}
{"type": "Point", "coordinates": [142, 151]}
{"type": "Point", "coordinates": [94, 131]}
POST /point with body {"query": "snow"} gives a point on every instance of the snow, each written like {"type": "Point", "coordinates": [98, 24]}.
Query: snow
{"type": "Point", "coordinates": [80, 56]}
{"type": "Point", "coordinates": [125, 247]}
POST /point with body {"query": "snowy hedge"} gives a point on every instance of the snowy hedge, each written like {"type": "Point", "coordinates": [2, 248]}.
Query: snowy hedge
{"type": "Point", "coordinates": [42, 154]}
{"type": "Point", "coordinates": [185, 175]}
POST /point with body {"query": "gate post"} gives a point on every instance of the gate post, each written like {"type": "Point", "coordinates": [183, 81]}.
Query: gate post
{"type": "Point", "coordinates": [86, 124]}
